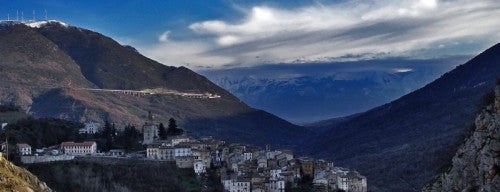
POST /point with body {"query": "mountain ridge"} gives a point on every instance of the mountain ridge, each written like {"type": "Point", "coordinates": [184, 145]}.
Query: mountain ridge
{"type": "Point", "coordinates": [411, 138]}
{"type": "Point", "coordinates": [97, 61]}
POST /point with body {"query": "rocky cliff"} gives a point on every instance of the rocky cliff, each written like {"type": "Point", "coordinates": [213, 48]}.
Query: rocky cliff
{"type": "Point", "coordinates": [14, 178]}
{"type": "Point", "coordinates": [476, 165]}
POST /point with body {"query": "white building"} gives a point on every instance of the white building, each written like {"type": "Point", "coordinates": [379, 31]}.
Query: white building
{"type": "Point", "coordinates": [166, 153]}
{"type": "Point", "coordinates": [247, 156]}
{"type": "Point", "coordinates": [23, 149]}
{"type": "Point", "coordinates": [182, 151]}
{"type": "Point", "coordinates": [352, 182]}
{"type": "Point", "coordinates": [276, 186]}
{"type": "Point", "coordinates": [153, 152]}
{"type": "Point", "coordinates": [276, 174]}
{"type": "Point", "coordinates": [202, 155]}
{"type": "Point", "coordinates": [160, 152]}
{"type": "Point", "coordinates": [199, 167]}
{"type": "Point", "coordinates": [240, 185]}
{"type": "Point", "coordinates": [180, 139]}
{"type": "Point", "coordinates": [227, 183]}
{"type": "Point", "coordinates": [90, 128]}
{"type": "Point", "coordinates": [84, 148]}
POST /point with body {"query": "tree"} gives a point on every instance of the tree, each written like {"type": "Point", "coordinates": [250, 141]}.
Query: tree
{"type": "Point", "coordinates": [172, 128]}
{"type": "Point", "coordinates": [162, 132]}
{"type": "Point", "coordinates": [108, 133]}
{"type": "Point", "coordinates": [129, 139]}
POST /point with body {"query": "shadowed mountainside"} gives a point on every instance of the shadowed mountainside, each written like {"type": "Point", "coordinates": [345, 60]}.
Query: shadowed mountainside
{"type": "Point", "coordinates": [401, 145]}
{"type": "Point", "coordinates": [476, 164]}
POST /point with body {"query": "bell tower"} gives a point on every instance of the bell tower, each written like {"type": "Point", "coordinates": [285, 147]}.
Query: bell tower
{"type": "Point", "coordinates": [150, 117]}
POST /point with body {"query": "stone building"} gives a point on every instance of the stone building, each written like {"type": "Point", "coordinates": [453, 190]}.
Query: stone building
{"type": "Point", "coordinates": [149, 131]}
{"type": "Point", "coordinates": [184, 162]}
{"type": "Point", "coordinates": [352, 182]}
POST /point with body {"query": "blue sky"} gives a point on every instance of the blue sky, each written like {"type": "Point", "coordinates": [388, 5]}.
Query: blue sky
{"type": "Point", "coordinates": [227, 33]}
{"type": "Point", "coordinates": [138, 20]}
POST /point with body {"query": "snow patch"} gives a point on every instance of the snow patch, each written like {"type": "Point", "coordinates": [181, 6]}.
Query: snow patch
{"type": "Point", "coordinates": [402, 70]}
{"type": "Point", "coordinates": [38, 24]}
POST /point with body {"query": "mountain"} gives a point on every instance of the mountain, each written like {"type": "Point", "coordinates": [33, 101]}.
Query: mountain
{"type": "Point", "coordinates": [51, 69]}
{"type": "Point", "coordinates": [401, 145]}
{"type": "Point", "coordinates": [308, 92]}
{"type": "Point", "coordinates": [14, 178]}
{"type": "Point", "coordinates": [476, 163]}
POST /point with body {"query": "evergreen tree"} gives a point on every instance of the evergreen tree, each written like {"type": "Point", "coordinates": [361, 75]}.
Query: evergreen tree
{"type": "Point", "coordinates": [162, 132]}
{"type": "Point", "coordinates": [130, 138]}
{"type": "Point", "coordinates": [172, 128]}
{"type": "Point", "coordinates": [108, 133]}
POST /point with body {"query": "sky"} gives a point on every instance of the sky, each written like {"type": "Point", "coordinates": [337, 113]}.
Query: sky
{"type": "Point", "coordinates": [202, 34]}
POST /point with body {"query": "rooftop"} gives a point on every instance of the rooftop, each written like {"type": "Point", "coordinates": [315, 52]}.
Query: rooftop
{"type": "Point", "coordinates": [23, 145]}
{"type": "Point", "coordinates": [72, 144]}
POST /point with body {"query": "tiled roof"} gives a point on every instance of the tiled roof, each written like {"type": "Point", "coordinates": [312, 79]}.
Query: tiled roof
{"type": "Point", "coordinates": [23, 145]}
{"type": "Point", "coordinates": [73, 144]}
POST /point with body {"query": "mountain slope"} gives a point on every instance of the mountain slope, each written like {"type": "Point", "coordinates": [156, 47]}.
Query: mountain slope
{"type": "Point", "coordinates": [34, 62]}
{"type": "Point", "coordinates": [110, 65]}
{"type": "Point", "coordinates": [68, 60]}
{"type": "Point", "coordinates": [14, 178]}
{"type": "Point", "coordinates": [476, 164]}
{"type": "Point", "coordinates": [402, 144]}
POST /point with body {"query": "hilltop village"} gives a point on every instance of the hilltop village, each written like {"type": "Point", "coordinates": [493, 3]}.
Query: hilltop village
{"type": "Point", "coordinates": [241, 168]}
{"type": "Point", "coordinates": [244, 168]}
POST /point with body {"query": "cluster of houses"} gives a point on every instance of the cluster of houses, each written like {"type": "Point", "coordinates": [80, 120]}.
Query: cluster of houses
{"type": "Point", "coordinates": [241, 168]}
{"type": "Point", "coordinates": [67, 148]}
{"type": "Point", "coordinates": [63, 152]}
{"type": "Point", "coordinates": [251, 169]}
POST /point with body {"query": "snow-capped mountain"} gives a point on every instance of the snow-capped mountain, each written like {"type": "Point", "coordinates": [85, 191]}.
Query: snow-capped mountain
{"type": "Point", "coordinates": [311, 92]}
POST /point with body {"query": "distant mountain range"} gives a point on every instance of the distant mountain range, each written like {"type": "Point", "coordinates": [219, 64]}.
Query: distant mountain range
{"type": "Point", "coordinates": [304, 93]}
{"type": "Point", "coordinates": [45, 65]}
{"type": "Point", "coordinates": [401, 145]}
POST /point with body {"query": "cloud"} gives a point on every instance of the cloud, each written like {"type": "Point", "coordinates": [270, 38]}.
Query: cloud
{"type": "Point", "coordinates": [164, 36]}
{"type": "Point", "coordinates": [351, 30]}
{"type": "Point", "coordinates": [185, 53]}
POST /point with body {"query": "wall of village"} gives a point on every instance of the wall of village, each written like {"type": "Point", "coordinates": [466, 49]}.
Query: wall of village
{"type": "Point", "coordinates": [43, 159]}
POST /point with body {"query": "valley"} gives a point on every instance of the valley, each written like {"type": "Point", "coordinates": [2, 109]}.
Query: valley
{"type": "Point", "coordinates": [250, 96]}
